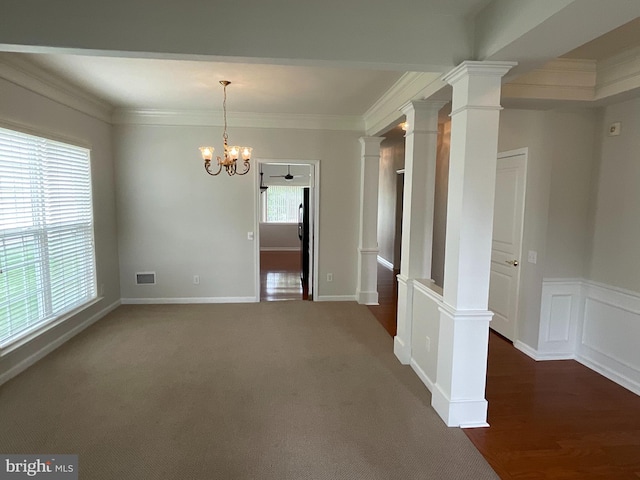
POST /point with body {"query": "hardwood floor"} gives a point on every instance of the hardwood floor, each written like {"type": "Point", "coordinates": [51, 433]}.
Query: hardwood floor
{"type": "Point", "coordinates": [549, 420]}
{"type": "Point", "coordinates": [280, 276]}
{"type": "Point", "coordinates": [385, 312]}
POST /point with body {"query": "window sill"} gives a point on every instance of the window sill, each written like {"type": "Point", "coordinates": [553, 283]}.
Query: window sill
{"type": "Point", "coordinates": [41, 329]}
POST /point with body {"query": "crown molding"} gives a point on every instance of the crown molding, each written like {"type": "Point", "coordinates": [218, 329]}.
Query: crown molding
{"type": "Point", "coordinates": [618, 74]}
{"type": "Point", "coordinates": [27, 75]}
{"type": "Point", "coordinates": [386, 110]}
{"type": "Point", "coordinates": [559, 79]}
{"type": "Point", "coordinates": [208, 118]}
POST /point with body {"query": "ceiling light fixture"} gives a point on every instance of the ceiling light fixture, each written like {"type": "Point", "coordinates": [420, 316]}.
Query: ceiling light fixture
{"type": "Point", "coordinates": [232, 153]}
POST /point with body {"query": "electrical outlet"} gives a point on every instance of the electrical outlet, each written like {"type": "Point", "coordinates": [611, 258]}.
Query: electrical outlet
{"type": "Point", "coordinates": [427, 344]}
{"type": "Point", "coordinates": [614, 129]}
{"type": "Point", "coordinates": [329, 277]}
{"type": "Point", "coordinates": [249, 235]}
{"type": "Point", "coordinates": [196, 279]}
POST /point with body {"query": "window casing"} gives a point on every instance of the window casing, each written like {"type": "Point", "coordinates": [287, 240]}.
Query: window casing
{"type": "Point", "coordinates": [47, 258]}
{"type": "Point", "coordinates": [280, 204]}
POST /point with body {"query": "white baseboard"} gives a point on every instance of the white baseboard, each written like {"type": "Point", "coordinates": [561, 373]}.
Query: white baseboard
{"type": "Point", "coordinates": [279, 249]}
{"type": "Point", "coordinates": [367, 298]}
{"type": "Point", "coordinates": [187, 300]}
{"type": "Point", "coordinates": [335, 298]}
{"type": "Point", "coordinates": [385, 263]}
{"type": "Point", "coordinates": [612, 375]}
{"type": "Point", "coordinates": [401, 351]}
{"type": "Point", "coordinates": [50, 347]}
{"type": "Point", "coordinates": [422, 375]}
{"type": "Point", "coordinates": [541, 356]}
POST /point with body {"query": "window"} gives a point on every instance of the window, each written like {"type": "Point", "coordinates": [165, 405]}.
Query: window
{"type": "Point", "coordinates": [47, 265]}
{"type": "Point", "coordinates": [280, 204]}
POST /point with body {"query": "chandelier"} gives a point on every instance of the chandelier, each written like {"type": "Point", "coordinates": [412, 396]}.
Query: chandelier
{"type": "Point", "coordinates": [232, 153]}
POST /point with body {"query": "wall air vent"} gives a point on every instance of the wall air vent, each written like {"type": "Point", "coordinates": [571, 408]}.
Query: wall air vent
{"type": "Point", "coordinates": [146, 278]}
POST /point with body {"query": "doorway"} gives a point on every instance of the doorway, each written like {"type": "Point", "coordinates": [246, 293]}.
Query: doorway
{"type": "Point", "coordinates": [287, 230]}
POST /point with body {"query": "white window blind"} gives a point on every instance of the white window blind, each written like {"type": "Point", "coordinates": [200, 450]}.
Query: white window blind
{"type": "Point", "coordinates": [280, 204]}
{"type": "Point", "coordinates": [47, 264]}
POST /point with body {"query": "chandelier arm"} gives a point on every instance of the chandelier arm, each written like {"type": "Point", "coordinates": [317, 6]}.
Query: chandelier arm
{"type": "Point", "coordinates": [247, 167]}
{"type": "Point", "coordinates": [207, 167]}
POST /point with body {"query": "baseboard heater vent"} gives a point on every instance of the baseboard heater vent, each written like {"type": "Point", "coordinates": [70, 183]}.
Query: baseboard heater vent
{"type": "Point", "coordinates": [146, 278]}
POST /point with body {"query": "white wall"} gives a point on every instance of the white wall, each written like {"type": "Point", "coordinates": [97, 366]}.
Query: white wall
{"type": "Point", "coordinates": [178, 221]}
{"type": "Point", "coordinates": [50, 118]}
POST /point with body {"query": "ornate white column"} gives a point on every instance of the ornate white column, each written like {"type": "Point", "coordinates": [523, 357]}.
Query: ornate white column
{"type": "Point", "coordinates": [367, 289]}
{"type": "Point", "coordinates": [459, 392]}
{"type": "Point", "coordinates": [421, 145]}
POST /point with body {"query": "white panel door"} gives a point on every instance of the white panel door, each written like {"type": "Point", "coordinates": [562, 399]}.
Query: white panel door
{"type": "Point", "coordinates": [507, 242]}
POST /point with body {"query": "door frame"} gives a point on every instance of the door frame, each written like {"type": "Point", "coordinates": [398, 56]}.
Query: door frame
{"type": "Point", "coordinates": [315, 223]}
{"type": "Point", "coordinates": [524, 152]}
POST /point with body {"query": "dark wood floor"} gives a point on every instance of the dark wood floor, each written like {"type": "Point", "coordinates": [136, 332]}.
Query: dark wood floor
{"type": "Point", "coordinates": [549, 420]}
{"type": "Point", "coordinates": [280, 276]}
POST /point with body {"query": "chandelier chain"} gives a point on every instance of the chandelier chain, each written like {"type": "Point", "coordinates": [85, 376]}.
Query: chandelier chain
{"type": "Point", "coordinates": [224, 110]}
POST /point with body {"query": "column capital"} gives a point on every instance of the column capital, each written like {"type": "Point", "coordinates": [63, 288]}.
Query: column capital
{"type": "Point", "coordinates": [475, 68]}
{"type": "Point", "coordinates": [370, 142]}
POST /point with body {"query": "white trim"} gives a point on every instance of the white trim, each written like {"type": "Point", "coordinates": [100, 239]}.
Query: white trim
{"type": "Point", "coordinates": [367, 297]}
{"type": "Point", "coordinates": [612, 356]}
{"type": "Point", "coordinates": [187, 300]}
{"type": "Point", "coordinates": [422, 375]}
{"type": "Point", "coordinates": [538, 356]}
{"type": "Point", "coordinates": [33, 358]}
{"type": "Point", "coordinates": [315, 226]}
{"type": "Point", "coordinates": [385, 263]}
{"type": "Point", "coordinates": [386, 110]}
{"type": "Point", "coordinates": [211, 118]}
{"type": "Point", "coordinates": [279, 249]}
{"type": "Point", "coordinates": [611, 374]}
{"type": "Point", "coordinates": [335, 298]}
{"type": "Point", "coordinates": [401, 351]}
{"type": "Point", "coordinates": [31, 77]}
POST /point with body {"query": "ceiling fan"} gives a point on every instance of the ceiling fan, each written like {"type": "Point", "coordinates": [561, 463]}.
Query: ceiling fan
{"type": "Point", "coordinates": [288, 177]}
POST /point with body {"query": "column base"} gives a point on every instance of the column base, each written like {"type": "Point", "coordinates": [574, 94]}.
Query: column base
{"type": "Point", "coordinates": [404, 320]}
{"type": "Point", "coordinates": [367, 298]}
{"type": "Point", "coordinates": [401, 351]}
{"type": "Point", "coordinates": [463, 341]}
{"type": "Point", "coordinates": [459, 413]}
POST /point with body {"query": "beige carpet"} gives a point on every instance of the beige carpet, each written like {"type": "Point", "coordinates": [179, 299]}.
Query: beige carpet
{"type": "Point", "coordinates": [281, 390]}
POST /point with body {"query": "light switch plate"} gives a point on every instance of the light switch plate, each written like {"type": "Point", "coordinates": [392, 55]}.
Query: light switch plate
{"type": "Point", "coordinates": [533, 257]}
{"type": "Point", "coordinates": [249, 235]}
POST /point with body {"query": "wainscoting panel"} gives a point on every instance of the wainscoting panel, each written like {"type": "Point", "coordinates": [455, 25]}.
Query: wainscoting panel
{"type": "Point", "coordinates": [597, 324]}
{"type": "Point", "coordinates": [610, 334]}
{"type": "Point", "coordinates": [559, 318]}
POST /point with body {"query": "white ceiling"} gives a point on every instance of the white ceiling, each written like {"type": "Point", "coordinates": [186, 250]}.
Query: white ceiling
{"type": "Point", "coordinates": [136, 83]}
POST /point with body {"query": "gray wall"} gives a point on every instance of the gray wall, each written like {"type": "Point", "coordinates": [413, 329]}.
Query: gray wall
{"type": "Point", "coordinates": [391, 160]}
{"type": "Point", "coordinates": [440, 203]}
{"type": "Point", "coordinates": [178, 221]}
{"type": "Point", "coordinates": [49, 118]}
{"type": "Point", "coordinates": [615, 255]}
{"type": "Point", "coordinates": [556, 223]}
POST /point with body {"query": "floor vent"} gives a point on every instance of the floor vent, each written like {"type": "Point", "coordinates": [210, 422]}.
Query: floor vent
{"type": "Point", "coordinates": [146, 278]}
